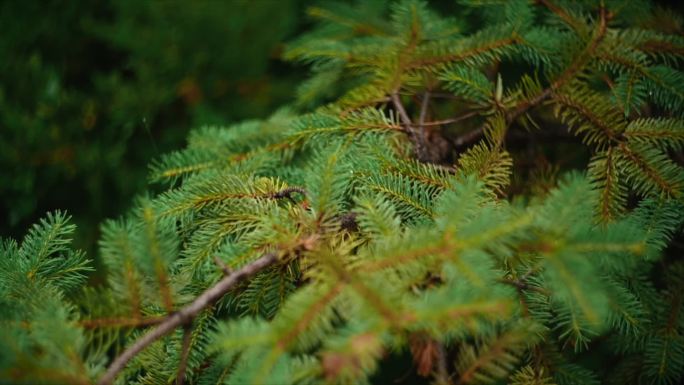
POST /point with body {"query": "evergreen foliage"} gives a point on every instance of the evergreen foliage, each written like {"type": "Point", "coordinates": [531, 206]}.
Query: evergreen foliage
{"type": "Point", "coordinates": [389, 213]}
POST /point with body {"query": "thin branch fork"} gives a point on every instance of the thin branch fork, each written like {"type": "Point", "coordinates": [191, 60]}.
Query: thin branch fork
{"type": "Point", "coordinates": [185, 315]}
{"type": "Point", "coordinates": [410, 128]}
{"type": "Point", "coordinates": [185, 353]}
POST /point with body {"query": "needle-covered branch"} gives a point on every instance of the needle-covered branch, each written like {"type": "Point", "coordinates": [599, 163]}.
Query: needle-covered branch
{"type": "Point", "coordinates": [187, 314]}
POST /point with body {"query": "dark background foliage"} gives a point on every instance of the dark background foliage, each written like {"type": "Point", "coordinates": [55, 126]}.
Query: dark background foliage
{"type": "Point", "coordinates": [91, 91]}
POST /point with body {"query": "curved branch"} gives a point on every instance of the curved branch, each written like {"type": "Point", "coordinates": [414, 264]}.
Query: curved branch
{"type": "Point", "coordinates": [186, 314]}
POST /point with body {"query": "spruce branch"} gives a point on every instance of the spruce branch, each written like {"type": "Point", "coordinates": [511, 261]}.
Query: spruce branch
{"type": "Point", "coordinates": [525, 105]}
{"type": "Point", "coordinates": [390, 250]}
{"type": "Point", "coordinates": [187, 314]}
{"type": "Point", "coordinates": [561, 13]}
{"type": "Point", "coordinates": [467, 54]}
{"type": "Point", "coordinates": [570, 72]}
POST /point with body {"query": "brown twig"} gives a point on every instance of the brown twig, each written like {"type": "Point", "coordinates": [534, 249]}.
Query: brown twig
{"type": "Point", "coordinates": [186, 314]}
{"type": "Point", "coordinates": [415, 136]}
{"type": "Point", "coordinates": [468, 137]}
{"type": "Point", "coordinates": [222, 265]}
{"type": "Point", "coordinates": [452, 120]}
{"type": "Point", "coordinates": [185, 352]}
{"type": "Point", "coordinates": [423, 114]}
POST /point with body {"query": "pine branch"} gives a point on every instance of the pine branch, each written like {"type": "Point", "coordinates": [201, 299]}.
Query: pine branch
{"type": "Point", "coordinates": [186, 314]}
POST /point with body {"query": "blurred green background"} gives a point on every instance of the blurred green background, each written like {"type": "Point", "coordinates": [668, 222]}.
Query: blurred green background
{"type": "Point", "coordinates": [92, 90]}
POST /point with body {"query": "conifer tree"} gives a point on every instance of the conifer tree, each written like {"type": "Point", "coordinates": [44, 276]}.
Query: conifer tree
{"type": "Point", "coordinates": [399, 208]}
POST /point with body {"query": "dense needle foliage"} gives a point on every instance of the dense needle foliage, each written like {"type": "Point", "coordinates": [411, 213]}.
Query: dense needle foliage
{"type": "Point", "coordinates": [495, 193]}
